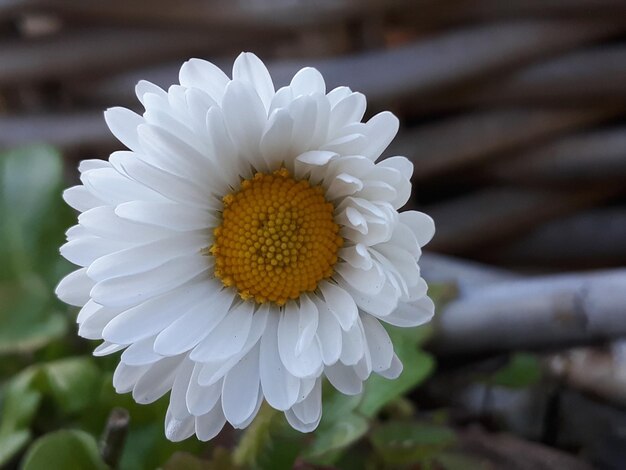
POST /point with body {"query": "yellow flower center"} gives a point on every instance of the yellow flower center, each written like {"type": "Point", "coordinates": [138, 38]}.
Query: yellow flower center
{"type": "Point", "coordinates": [277, 239]}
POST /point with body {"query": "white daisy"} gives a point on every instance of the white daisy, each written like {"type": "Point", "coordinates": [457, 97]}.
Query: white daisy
{"type": "Point", "coordinates": [245, 246]}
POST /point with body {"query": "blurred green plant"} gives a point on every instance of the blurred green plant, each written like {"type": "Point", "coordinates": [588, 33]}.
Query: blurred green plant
{"type": "Point", "coordinates": [55, 399]}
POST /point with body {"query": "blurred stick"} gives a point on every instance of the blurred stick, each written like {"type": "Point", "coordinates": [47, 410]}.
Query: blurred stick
{"type": "Point", "coordinates": [542, 312]}
{"type": "Point", "coordinates": [587, 239]}
{"type": "Point", "coordinates": [472, 138]}
{"type": "Point", "coordinates": [589, 156]}
{"type": "Point", "coordinates": [465, 274]}
{"type": "Point", "coordinates": [598, 372]}
{"type": "Point", "coordinates": [587, 77]}
{"type": "Point", "coordinates": [493, 215]}
{"type": "Point", "coordinates": [507, 451]}
{"type": "Point", "coordinates": [114, 437]}
{"type": "Point", "coordinates": [83, 53]}
{"type": "Point", "coordinates": [437, 63]}
{"type": "Point", "coordinates": [67, 131]}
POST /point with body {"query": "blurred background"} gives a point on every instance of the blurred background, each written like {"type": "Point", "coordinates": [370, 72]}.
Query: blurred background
{"type": "Point", "coordinates": [513, 113]}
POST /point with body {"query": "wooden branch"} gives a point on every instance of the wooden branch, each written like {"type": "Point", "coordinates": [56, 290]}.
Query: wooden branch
{"type": "Point", "coordinates": [467, 275]}
{"type": "Point", "coordinates": [81, 54]}
{"type": "Point", "coordinates": [591, 76]}
{"type": "Point", "coordinates": [67, 131]}
{"type": "Point", "coordinates": [510, 452]}
{"type": "Point", "coordinates": [442, 147]}
{"type": "Point", "coordinates": [493, 215]}
{"type": "Point", "coordinates": [258, 15]}
{"type": "Point", "coordinates": [542, 312]}
{"type": "Point", "coordinates": [433, 64]}
{"type": "Point", "coordinates": [114, 437]}
{"type": "Point", "coordinates": [598, 372]}
{"type": "Point", "coordinates": [589, 156]}
{"type": "Point", "coordinates": [587, 239]}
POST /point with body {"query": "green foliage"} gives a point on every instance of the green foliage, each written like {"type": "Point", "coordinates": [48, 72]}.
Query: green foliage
{"type": "Point", "coordinates": [34, 219]}
{"type": "Point", "coordinates": [523, 370]}
{"type": "Point", "coordinates": [62, 450]}
{"type": "Point", "coordinates": [405, 443]}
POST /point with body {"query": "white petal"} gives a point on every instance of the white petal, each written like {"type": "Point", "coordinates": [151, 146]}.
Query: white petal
{"type": "Point", "coordinates": [205, 76]}
{"type": "Point", "coordinates": [276, 139]}
{"type": "Point", "coordinates": [202, 399]}
{"type": "Point", "coordinates": [241, 388]}
{"type": "Point", "coordinates": [249, 68]}
{"type": "Point", "coordinates": [187, 331]}
{"type": "Point", "coordinates": [307, 323]}
{"type": "Point", "coordinates": [307, 81]}
{"type": "Point", "coordinates": [228, 337]}
{"type": "Point", "coordinates": [177, 430]}
{"type": "Point", "coordinates": [381, 304]}
{"type": "Point", "coordinates": [157, 380]}
{"type": "Point", "coordinates": [309, 361]}
{"type": "Point", "coordinates": [421, 224]}
{"type": "Point", "coordinates": [364, 280]}
{"type": "Point", "coordinates": [348, 145]}
{"type": "Point", "coordinates": [337, 94]}
{"type": "Point", "coordinates": [91, 327]}
{"type": "Point", "coordinates": [123, 124]}
{"type": "Point", "coordinates": [140, 353]}
{"type": "Point", "coordinates": [74, 288]}
{"type": "Point", "coordinates": [309, 410]}
{"type": "Point", "coordinates": [344, 379]}
{"type": "Point", "coordinates": [136, 288]}
{"type": "Point", "coordinates": [209, 425]}
{"type": "Point", "coordinates": [143, 87]}
{"type": "Point", "coordinates": [378, 343]}
{"type": "Point", "coordinates": [245, 118]}
{"type": "Point", "coordinates": [154, 315]}
{"type": "Point", "coordinates": [108, 185]}
{"type": "Point", "coordinates": [125, 377]}
{"type": "Point", "coordinates": [178, 403]}
{"type": "Point", "coordinates": [394, 370]}
{"type": "Point", "coordinates": [411, 314]}
{"type": "Point", "coordinates": [381, 130]}
{"type": "Point", "coordinates": [353, 345]}
{"type": "Point", "coordinates": [102, 222]}
{"type": "Point", "coordinates": [92, 164]}
{"type": "Point", "coordinates": [106, 348]}
{"type": "Point", "coordinates": [169, 215]}
{"type": "Point", "coordinates": [340, 303]}
{"type": "Point", "coordinates": [350, 109]}
{"type": "Point", "coordinates": [171, 186]}
{"type": "Point", "coordinates": [142, 258]}
{"type": "Point", "coordinates": [85, 250]}
{"type": "Point", "coordinates": [79, 198]}
{"type": "Point", "coordinates": [279, 386]}
{"type": "Point", "coordinates": [328, 334]}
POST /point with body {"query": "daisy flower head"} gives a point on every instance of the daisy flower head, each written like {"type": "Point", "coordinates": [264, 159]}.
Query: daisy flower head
{"type": "Point", "coordinates": [246, 245]}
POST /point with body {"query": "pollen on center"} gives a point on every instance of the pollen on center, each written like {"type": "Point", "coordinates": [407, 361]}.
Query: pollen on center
{"type": "Point", "coordinates": [277, 239]}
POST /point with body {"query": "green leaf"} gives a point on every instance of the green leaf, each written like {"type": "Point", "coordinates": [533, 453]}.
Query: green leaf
{"type": "Point", "coordinates": [522, 371]}
{"type": "Point", "coordinates": [457, 461]}
{"type": "Point", "coordinates": [30, 208]}
{"type": "Point", "coordinates": [62, 450]}
{"type": "Point", "coordinates": [27, 321]}
{"type": "Point", "coordinates": [72, 382]}
{"type": "Point", "coordinates": [255, 438]}
{"type": "Point", "coordinates": [220, 460]}
{"type": "Point", "coordinates": [11, 443]}
{"type": "Point", "coordinates": [339, 435]}
{"type": "Point", "coordinates": [379, 392]}
{"type": "Point", "coordinates": [403, 443]}
{"type": "Point", "coordinates": [34, 218]}
{"type": "Point", "coordinates": [21, 400]}
{"type": "Point", "coordinates": [20, 403]}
